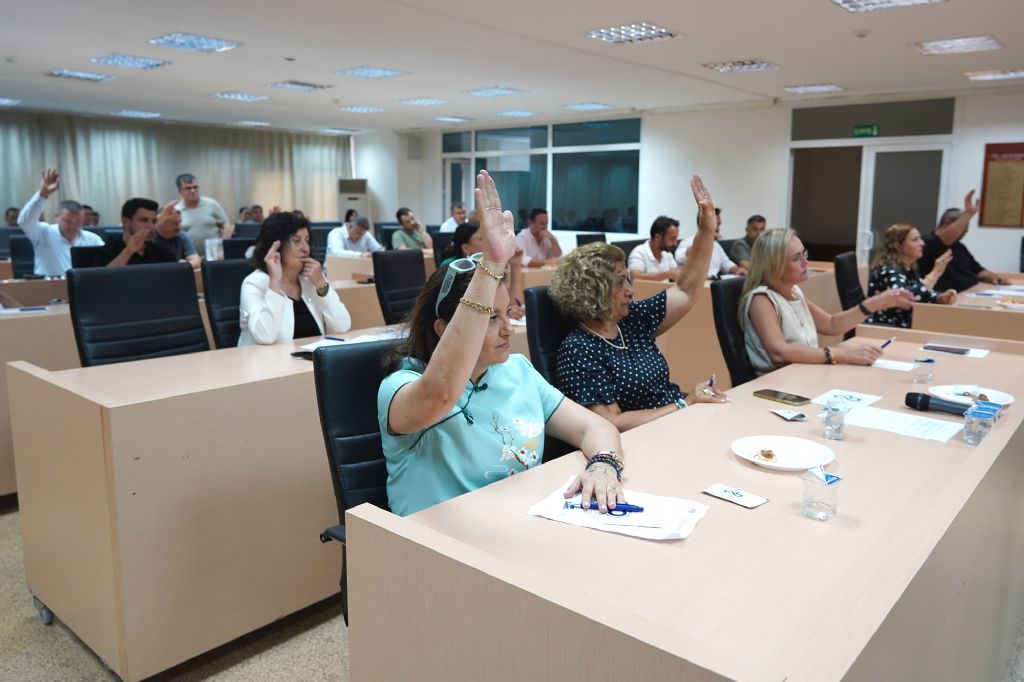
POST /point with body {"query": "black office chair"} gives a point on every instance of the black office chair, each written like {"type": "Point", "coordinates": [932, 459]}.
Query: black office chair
{"type": "Point", "coordinates": [582, 239]}
{"type": "Point", "coordinates": [346, 379]}
{"type": "Point", "coordinates": [545, 329]}
{"type": "Point", "coordinates": [134, 313]}
{"type": "Point", "coordinates": [442, 240]}
{"type": "Point", "coordinates": [318, 242]}
{"type": "Point", "coordinates": [848, 283]}
{"type": "Point", "coordinates": [109, 235]}
{"type": "Point", "coordinates": [222, 289]}
{"type": "Point", "coordinates": [726, 245]}
{"type": "Point", "coordinates": [23, 256]}
{"type": "Point", "coordinates": [246, 230]}
{"type": "Point", "coordinates": [89, 256]}
{"type": "Point", "coordinates": [384, 234]}
{"type": "Point", "coordinates": [399, 277]}
{"type": "Point", "coordinates": [725, 306]}
{"type": "Point", "coordinates": [234, 249]}
{"type": "Point", "coordinates": [5, 240]}
{"type": "Point", "coordinates": [329, 224]}
{"type": "Point", "coordinates": [433, 229]}
{"type": "Point", "coordinates": [628, 246]}
{"type": "Point", "coordinates": [1022, 254]}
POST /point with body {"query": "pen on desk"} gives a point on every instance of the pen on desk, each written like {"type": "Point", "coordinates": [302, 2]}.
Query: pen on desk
{"type": "Point", "coordinates": [888, 341]}
{"type": "Point", "coordinates": [334, 338]}
{"type": "Point", "coordinates": [518, 302]}
{"type": "Point", "coordinates": [619, 507]}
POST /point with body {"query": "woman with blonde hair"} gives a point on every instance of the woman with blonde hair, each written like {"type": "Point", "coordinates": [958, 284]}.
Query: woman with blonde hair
{"type": "Point", "coordinates": [895, 267]}
{"type": "Point", "coordinates": [780, 326]}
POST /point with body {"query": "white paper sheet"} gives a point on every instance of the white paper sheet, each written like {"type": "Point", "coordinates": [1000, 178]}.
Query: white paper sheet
{"type": "Point", "coordinates": [894, 364]}
{"type": "Point", "coordinates": [911, 425]}
{"type": "Point", "coordinates": [971, 352]}
{"type": "Point", "coordinates": [386, 335]}
{"type": "Point", "coordinates": [852, 398]}
{"type": "Point", "coordinates": [663, 518]}
{"type": "Point", "coordinates": [521, 322]}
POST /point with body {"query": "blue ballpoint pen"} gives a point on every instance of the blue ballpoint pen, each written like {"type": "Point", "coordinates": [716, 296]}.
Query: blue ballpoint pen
{"type": "Point", "coordinates": [619, 507]}
{"type": "Point", "coordinates": [890, 340]}
{"type": "Point", "coordinates": [334, 338]}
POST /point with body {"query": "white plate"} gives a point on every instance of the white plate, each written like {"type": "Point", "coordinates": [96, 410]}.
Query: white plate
{"type": "Point", "coordinates": [946, 393]}
{"type": "Point", "coordinates": [1012, 306]}
{"type": "Point", "coordinates": [791, 454]}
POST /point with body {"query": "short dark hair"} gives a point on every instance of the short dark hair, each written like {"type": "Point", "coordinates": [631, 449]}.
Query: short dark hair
{"type": "Point", "coordinates": [661, 225]}
{"type": "Point", "coordinates": [255, 206]}
{"type": "Point", "coordinates": [363, 221]}
{"type": "Point", "coordinates": [183, 179]}
{"type": "Point", "coordinates": [950, 214]}
{"type": "Point", "coordinates": [86, 207]}
{"type": "Point", "coordinates": [12, 208]}
{"type": "Point", "coordinates": [401, 212]}
{"type": "Point", "coordinates": [756, 218]}
{"type": "Point", "coordinates": [457, 204]}
{"type": "Point", "coordinates": [348, 214]}
{"type": "Point", "coordinates": [718, 211]}
{"type": "Point", "coordinates": [129, 207]}
{"type": "Point", "coordinates": [536, 212]}
{"type": "Point", "coordinates": [463, 233]}
{"type": "Point", "coordinates": [278, 227]}
{"type": "Point", "coordinates": [69, 205]}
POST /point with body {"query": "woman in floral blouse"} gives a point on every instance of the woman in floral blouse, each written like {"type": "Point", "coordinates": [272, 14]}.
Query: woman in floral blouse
{"type": "Point", "coordinates": [895, 267]}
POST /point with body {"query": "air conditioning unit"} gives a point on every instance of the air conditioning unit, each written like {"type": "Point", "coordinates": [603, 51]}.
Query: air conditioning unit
{"type": "Point", "coordinates": [352, 194]}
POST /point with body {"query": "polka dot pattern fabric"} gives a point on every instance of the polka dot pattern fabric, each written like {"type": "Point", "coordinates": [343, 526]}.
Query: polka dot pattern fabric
{"type": "Point", "coordinates": [891, 277]}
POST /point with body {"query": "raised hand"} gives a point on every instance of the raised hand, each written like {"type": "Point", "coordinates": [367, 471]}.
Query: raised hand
{"type": "Point", "coordinates": [49, 182]}
{"type": "Point", "coordinates": [702, 195]}
{"type": "Point", "coordinates": [169, 216]}
{"type": "Point", "coordinates": [942, 261]}
{"type": "Point", "coordinates": [273, 263]}
{"type": "Point", "coordinates": [496, 225]}
{"type": "Point", "coordinates": [137, 242]}
{"type": "Point", "coordinates": [971, 206]}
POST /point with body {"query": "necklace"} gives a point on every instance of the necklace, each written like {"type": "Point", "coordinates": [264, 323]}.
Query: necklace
{"type": "Point", "coordinates": [620, 336]}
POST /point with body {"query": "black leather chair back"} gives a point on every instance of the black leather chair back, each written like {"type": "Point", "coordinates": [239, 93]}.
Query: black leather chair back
{"type": "Point", "coordinates": [347, 378]}
{"type": "Point", "coordinates": [222, 289]}
{"type": "Point", "coordinates": [23, 256]}
{"type": "Point", "coordinates": [384, 234]}
{"type": "Point", "coordinates": [582, 239]}
{"type": "Point", "coordinates": [89, 256]}
{"type": "Point", "coordinates": [5, 240]}
{"type": "Point", "coordinates": [442, 240]}
{"type": "Point", "coordinates": [234, 249]}
{"type": "Point", "coordinates": [848, 283]}
{"type": "Point", "coordinates": [318, 242]}
{"type": "Point", "coordinates": [628, 246]}
{"type": "Point", "coordinates": [399, 277]}
{"type": "Point", "coordinates": [726, 245]}
{"type": "Point", "coordinates": [545, 329]}
{"type": "Point", "coordinates": [725, 305]}
{"type": "Point", "coordinates": [246, 231]}
{"type": "Point", "coordinates": [135, 312]}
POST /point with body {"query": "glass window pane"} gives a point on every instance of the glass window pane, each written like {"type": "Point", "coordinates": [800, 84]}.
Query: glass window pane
{"type": "Point", "coordinates": [521, 180]}
{"type": "Point", "coordinates": [456, 142]}
{"type": "Point", "coordinates": [507, 139]}
{"type": "Point", "coordinates": [596, 132]}
{"type": "Point", "coordinates": [596, 191]}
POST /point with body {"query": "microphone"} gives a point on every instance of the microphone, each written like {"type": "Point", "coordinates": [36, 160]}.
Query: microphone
{"type": "Point", "coordinates": [927, 403]}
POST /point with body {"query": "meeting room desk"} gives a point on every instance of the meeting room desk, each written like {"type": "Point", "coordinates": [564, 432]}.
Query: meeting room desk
{"type": "Point", "coordinates": [6, 269]}
{"type": "Point", "coordinates": [974, 315]}
{"type": "Point", "coordinates": [36, 291]}
{"type": "Point", "coordinates": [917, 578]}
{"type": "Point", "coordinates": [354, 267]}
{"type": "Point", "coordinates": [361, 302]}
{"type": "Point", "coordinates": [538, 277]}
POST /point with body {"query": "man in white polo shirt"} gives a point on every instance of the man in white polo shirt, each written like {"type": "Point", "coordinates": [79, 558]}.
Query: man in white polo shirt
{"type": "Point", "coordinates": [538, 245]}
{"type": "Point", "coordinates": [457, 217]}
{"type": "Point", "coordinates": [653, 259]}
{"type": "Point", "coordinates": [52, 243]}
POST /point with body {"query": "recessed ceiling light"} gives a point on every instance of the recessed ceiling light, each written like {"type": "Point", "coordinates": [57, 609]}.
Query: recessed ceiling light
{"type": "Point", "coordinates": [630, 33]}
{"type": "Point", "coordinates": [372, 73]}
{"type": "Point", "coordinates": [361, 109]}
{"type": "Point", "coordinates": [872, 5]}
{"type": "Point", "coordinates": [5, 102]}
{"type": "Point", "coordinates": [128, 61]}
{"type": "Point", "coordinates": [587, 106]}
{"type": "Point", "coordinates": [337, 131]}
{"type": "Point", "coordinates": [813, 89]}
{"type": "Point", "coordinates": [298, 86]}
{"type": "Point", "coordinates": [741, 66]}
{"type": "Point", "coordinates": [958, 45]}
{"type": "Point", "coordinates": [194, 43]}
{"type": "Point", "coordinates": [495, 91]}
{"type": "Point", "coordinates": [253, 124]}
{"type": "Point", "coordinates": [81, 75]}
{"type": "Point", "coordinates": [451, 119]}
{"type": "Point", "coordinates": [131, 113]}
{"type": "Point", "coordinates": [1005, 74]}
{"type": "Point", "coordinates": [424, 102]}
{"type": "Point", "coordinates": [239, 96]}
{"type": "Point", "coordinates": [515, 113]}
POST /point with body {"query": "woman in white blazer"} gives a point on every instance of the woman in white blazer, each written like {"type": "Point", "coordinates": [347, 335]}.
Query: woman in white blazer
{"type": "Point", "coordinates": [288, 296]}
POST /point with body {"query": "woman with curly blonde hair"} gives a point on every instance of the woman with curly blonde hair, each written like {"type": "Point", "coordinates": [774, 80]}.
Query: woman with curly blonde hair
{"type": "Point", "coordinates": [610, 362]}
{"type": "Point", "coordinates": [895, 267]}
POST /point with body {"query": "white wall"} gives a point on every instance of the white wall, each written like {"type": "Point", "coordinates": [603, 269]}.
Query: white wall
{"type": "Point", "coordinates": [374, 156]}
{"type": "Point", "coordinates": [420, 180]}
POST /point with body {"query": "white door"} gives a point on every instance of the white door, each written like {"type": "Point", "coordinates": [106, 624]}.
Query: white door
{"type": "Point", "coordinates": [458, 183]}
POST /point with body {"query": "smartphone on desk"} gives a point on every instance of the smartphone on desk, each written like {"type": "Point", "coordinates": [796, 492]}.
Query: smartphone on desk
{"type": "Point", "coordinates": [957, 350]}
{"type": "Point", "coordinates": [780, 397]}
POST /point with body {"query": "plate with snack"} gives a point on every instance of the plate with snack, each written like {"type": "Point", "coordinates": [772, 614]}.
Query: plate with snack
{"type": "Point", "coordinates": [784, 453]}
{"type": "Point", "coordinates": [965, 394]}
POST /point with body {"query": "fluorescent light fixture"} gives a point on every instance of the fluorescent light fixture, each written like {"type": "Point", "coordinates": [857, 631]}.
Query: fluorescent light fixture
{"type": "Point", "coordinates": [361, 109]}
{"type": "Point", "coordinates": [813, 89]}
{"type": "Point", "coordinates": [451, 119]}
{"type": "Point", "coordinates": [239, 96]}
{"type": "Point", "coordinates": [741, 66]}
{"type": "Point", "coordinates": [194, 43]}
{"type": "Point", "coordinates": [515, 113]}
{"type": "Point", "coordinates": [424, 102]}
{"type": "Point", "coordinates": [6, 102]}
{"type": "Point", "coordinates": [958, 45]}
{"type": "Point", "coordinates": [337, 131]}
{"type": "Point", "coordinates": [298, 86]}
{"type": "Point", "coordinates": [128, 61]}
{"type": "Point", "coordinates": [495, 91]}
{"type": "Point", "coordinates": [1002, 75]}
{"type": "Point", "coordinates": [372, 73]}
{"type": "Point", "coordinates": [81, 75]}
{"type": "Point", "coordinates": [630, 33]}
{"type": "Point", "coordinates": [253, 124]}
{"type": "Point", "coordinates": [872, 5]}
{"type": "Point", "coordinates": [587, 106]}
{"type": "Point", "coordinates": [131, 113]}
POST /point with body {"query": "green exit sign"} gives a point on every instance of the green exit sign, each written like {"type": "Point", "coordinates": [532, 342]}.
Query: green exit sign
{"type": "Point", "coordinates": [870, 130]}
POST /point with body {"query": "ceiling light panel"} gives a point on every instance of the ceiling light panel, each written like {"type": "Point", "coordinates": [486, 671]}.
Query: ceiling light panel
{"type": "Point", "coordinates": [337, 131]}
{"type": "Point", "coordinates": [372, 73]}
{"type": "Point", "coordinates": [6, 102]}
{"type": "Point", "coordinates": [194, 43]}
{"type": "Point", "coordinates": [128, 61]}
{"type": "Point", "coordinates": [253, 124]}
{"type": "Point", "coordinates": [587, 106]}
{"type": "Point", "coordinates": [630, 33]}
{"type": "Point", "coordinates": [813, 89]}
{"type": "Point", "coordinates": [741, 66]}
{"type": "Point", "coordinates": [451, 119]}
{"type": "Point", "coordinates": [424, 102]}
{"type": "Point", "coordinates": [81, 75]}
{"type": "Point", "coordinates": [1002, 75]}
{"type": "Point", "coordinates": [298, 86]}
{"type": "Point", "coordinates": [239, 96]}
{"type": "Point", "coordinates": [132, 113]}
{"type": "Point", "coordinates": [495, 91]}
{"type": "Point", "coordinates": [361, 109]}
{"type": "Point", "coordinates": [958, 45]}
{"type": "Point", "coordinates": [517, 114]}
{"type": "Point", "coordinates": [872, 5]}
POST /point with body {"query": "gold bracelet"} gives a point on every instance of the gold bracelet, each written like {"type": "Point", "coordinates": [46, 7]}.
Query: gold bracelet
{"type": "Point", "coordinates": [479, 307]}
{"type": "Point", "coordinates": [495, 276]}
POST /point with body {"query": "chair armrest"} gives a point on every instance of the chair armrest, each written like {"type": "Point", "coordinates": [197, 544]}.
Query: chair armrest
{"type": "Point", "coordinates": [336, 533]}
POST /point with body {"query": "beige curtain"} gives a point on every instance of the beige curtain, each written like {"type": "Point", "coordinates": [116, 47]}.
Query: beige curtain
{"type": "Point", "coordinates": [105, 161]}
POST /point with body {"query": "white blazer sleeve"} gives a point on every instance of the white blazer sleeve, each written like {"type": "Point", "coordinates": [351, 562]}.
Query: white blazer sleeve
{"type": "Point", "coordinates": [330, 308]}
{"type": "Point", "coordinates": [261, 310]}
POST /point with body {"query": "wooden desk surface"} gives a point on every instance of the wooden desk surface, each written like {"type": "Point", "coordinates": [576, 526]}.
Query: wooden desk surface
{"type": "Point", "coordinates": [36, 291]}
{"type": "Point", "coordinates": [6, 269]}
{"type": "Point", "coordinates": [785, 596]}
{"type": "Point", "coordinates": [352, 267]}
{"type": "Point", "coordinates": [979, 316]}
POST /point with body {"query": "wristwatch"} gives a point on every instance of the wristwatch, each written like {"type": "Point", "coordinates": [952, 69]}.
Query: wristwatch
{"type": "Point", "coordinates": [322, 291]}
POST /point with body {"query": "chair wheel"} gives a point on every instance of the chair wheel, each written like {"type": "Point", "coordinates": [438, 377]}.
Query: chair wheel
{"type": "Point", "coordinates": [45, 614]}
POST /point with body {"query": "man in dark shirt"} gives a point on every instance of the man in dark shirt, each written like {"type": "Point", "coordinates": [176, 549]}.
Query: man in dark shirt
{"type": "Point", "coordinates": [963, 271]}
{"type": "Point", "coordinates": [139, 219]}
{"type": "Point", "coordinates": [168, 233]}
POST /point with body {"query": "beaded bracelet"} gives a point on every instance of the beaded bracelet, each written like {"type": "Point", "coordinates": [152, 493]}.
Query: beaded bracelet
{"type": "Point", "coordinates": [602, 459]}
{"type": "Point", "coordinates": [621, 465]}
{"type": "Point", "coordinates": [828, 356]}
{"type": "Point", "coordinates": [479, 307]}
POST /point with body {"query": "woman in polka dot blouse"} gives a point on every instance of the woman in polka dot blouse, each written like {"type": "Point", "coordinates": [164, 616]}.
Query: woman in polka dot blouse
{"type": "Point", "coordinates": [610, 362]}
{"type": "Point", "coordinates": [895, 267]}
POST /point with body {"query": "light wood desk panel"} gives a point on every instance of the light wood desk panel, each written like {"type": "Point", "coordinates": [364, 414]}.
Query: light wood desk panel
{"type": "Point", "coordinates": [361, 302]}
{"type": "Point", "coordinates": [36, 291]}
{"type": "Point", "coordinates": [974, 315]}
{"type": "Point", "coordinates": [358, 268]}
{"type": "Point", "coordinates": [6, 269]}
{"type": "Point", "coordinates": [918, 577]}
{"type": "Point", "coordinates": [537, 277]}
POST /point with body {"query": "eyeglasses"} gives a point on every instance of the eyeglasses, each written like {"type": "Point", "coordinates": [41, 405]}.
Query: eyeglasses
{"type": "Point", "coordinates": [455, 267]}
{"type": "Point", "coordinates": [800, 257]}
{"type": "Point", "coordinates": [296, 241]}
